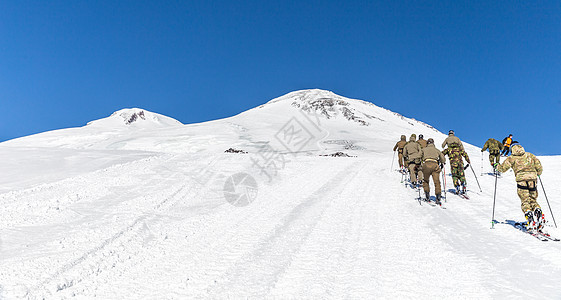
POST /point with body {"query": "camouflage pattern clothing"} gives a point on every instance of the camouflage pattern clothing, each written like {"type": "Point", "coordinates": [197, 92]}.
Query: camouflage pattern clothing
{"type": "Point", "coordinates": [399, 147]}
{"type": "Point", "coordinates": [495, 148]}
{"type": "Point", "coordinates": [455, 155]}
{"type": "Point", "coordinates": [528, 193]}
{"type": "Point", "coordinates": [432, 158]}
{"type": "Point", "coordinates": [451, 140]}
{"type": "Point", "coordinates": [527, 167]}
{"type": "Point", "coordinates": [412, 155]}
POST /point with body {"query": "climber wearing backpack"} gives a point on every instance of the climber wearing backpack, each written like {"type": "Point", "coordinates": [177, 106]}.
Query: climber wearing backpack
{"type": "Point", "coordinates": [452, 139]}
{"type": "Point", "coordinates": [527, 167]}
{"type": "Point", "coordinates": [455, 154]}
{"type": "Point", "coordinates": [495, 148]}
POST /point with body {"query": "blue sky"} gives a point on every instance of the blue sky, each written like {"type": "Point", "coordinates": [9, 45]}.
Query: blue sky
{"type": "Point", "coordinates": [482, 68]}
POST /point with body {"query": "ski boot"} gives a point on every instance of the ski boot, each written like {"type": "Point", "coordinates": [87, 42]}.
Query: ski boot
{"type": "Point", "coordinates": [438, 196]}
{"type": "Point", "coordinates": [464, 189]}
{"type": "Point", "coordinates": [427, 196]}
{"type": "Point", "coordinates": [495, 171]}
{"type": "Point", "coordinates": [539, 219]}
{"type": "Point", "coordinates": [531, 224]}
{"type": "Point", "coordinates": [457, 192]}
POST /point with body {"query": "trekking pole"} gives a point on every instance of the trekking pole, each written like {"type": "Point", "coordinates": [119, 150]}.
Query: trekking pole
{"type": "Point", "coordinates": [393, 158]}
{"type": "Point", "coordinates": [547, 202]}
{"type": "Point", "coordinates": [444, 179]}
{"type": "Point", "coordinates": [419, 189]}
{"type": "Point", "coordinates": [481, 163]}
{"type": "Point", "coordinates": [475, 178]}
{"type": "Point", "coordinates": [494, 199]}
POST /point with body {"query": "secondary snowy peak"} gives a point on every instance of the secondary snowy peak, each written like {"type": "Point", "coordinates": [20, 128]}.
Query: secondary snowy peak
{"type": "Point", "coordinates": [135, 117]}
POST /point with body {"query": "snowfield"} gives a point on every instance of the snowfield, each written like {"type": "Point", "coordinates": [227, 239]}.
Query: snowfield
{"type": "Point", "coordinates": [145, 207]}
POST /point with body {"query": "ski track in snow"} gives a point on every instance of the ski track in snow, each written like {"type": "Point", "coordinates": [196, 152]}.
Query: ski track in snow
{"type": "Point", "coordinates": [333, 237]}
{"type": "Point", "coordinates": [122, 234]}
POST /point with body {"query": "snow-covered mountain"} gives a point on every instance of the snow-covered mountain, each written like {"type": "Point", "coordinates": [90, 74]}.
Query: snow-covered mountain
{"type": "Point", "coordinates": [138, 205]}
{"type": "Point", "coordinates": [331, 122]}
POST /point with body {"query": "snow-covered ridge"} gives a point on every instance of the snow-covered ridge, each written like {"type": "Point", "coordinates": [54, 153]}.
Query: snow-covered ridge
{"type": "Point", "coordinates": [135, 117]}
{"type": "Point", "coordinates": [344, 120]}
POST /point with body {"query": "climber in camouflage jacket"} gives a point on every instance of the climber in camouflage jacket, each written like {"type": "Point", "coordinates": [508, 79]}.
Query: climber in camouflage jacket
{"type": "Point", "coordinates": [455, 154]}
{"type": "Point", "coordinates": [495, 148]}
{"type": "Point", "coordinates": [527, 167]}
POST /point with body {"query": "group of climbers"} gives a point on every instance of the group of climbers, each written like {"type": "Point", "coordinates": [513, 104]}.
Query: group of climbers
{"type": "Point", "coordinates": [498, 149]}
{"type": "Point", "coordinates": [422, 160]}
{"type": "Point", "coordinates": [495, 147]}
{"type": "Point", "coordinates": [527, 168]}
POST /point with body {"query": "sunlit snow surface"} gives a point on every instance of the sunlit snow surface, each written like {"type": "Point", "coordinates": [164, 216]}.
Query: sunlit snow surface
{"type": "Point", "coordinates": [145, 207]}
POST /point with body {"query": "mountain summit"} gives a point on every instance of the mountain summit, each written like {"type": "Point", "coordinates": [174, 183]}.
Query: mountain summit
{"type": "Point", "coordinates": [330, 122]}
{"type": "Point", "coordinates": [327, 104]}
{"type": "Point", "coordinates": [330, 105]}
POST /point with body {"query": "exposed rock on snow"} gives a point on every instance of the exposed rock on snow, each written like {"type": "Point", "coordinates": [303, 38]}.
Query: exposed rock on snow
{"type": "Point", "coordinates": [338, 154]}
{"type": "Point", "coordinates": [232, 150]}
{"type": "Point", "coordinates": [327, 104]}
{"type": "Point", "coordinates": [347, 145]}
{"type": "Point", "coordinates": [135, 116]}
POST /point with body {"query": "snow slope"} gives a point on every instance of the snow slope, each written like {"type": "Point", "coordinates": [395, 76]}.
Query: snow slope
{"type": "Point", "coordinates": [144, 210]}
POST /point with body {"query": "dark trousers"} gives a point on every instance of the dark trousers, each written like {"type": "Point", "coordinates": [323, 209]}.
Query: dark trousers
{"type": "Point", "coordinates": [506, 151]}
